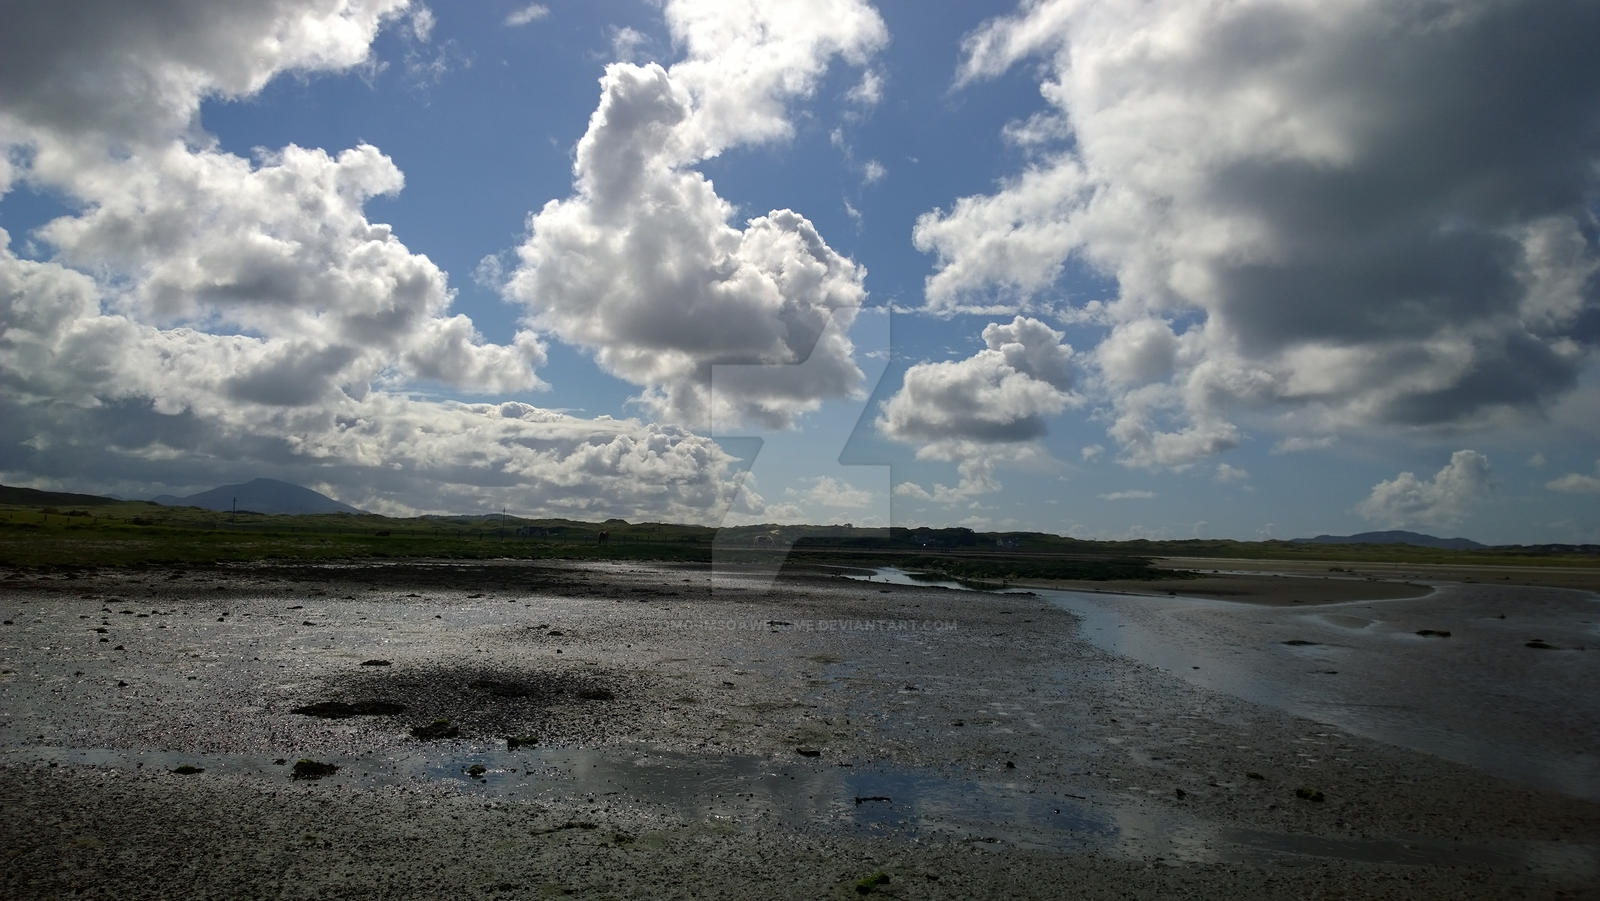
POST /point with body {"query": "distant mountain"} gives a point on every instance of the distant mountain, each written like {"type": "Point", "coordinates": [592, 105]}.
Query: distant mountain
{"type": "Point", "coordinates": [1416, 539]}
{"type": "Point", "coordinates": [260, 496]}
{"type": "Point", "coordinates": [32, 497]}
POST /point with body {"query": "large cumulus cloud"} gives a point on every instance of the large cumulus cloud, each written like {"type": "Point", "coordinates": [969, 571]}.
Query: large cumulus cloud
{"type": "Point", "coordinates": [1350, 214]}
{"type": "Point", "coordinates": [199, 313]}
{"type": "Point", "coordinates": [103, 402]}
{"type": "Point", "coordinates": [113, 72]}
{"type": "Point", "coordinates": [1443, 500]}
{"type": "Point", "coordinates": [641, 264]}
{"type": "Point", "coordinates": [989, 407]}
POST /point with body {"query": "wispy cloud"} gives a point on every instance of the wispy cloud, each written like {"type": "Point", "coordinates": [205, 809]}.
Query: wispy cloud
{"type": "Point", "coordinates": [533, 12]}
{"type": "Point", "coordinates": [1133, 495]}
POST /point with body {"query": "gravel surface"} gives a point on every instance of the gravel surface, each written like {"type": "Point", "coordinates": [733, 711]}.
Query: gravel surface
{"type": "Point", "coordinates": [625, 731]}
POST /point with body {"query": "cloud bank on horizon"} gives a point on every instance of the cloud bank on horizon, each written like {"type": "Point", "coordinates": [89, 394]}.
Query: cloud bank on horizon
{"type": "Point", "coordinates": [1261, 260]}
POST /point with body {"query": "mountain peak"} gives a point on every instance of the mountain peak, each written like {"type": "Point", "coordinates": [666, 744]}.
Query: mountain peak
{"type": "Point", "coordinates": [261, 495]}
{"type": "Point", "coordinates": [1395, 536]}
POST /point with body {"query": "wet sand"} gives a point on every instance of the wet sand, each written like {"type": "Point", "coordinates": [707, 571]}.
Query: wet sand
{"type": "Point", "coordinates": [1309, 582]}
{"type": "Point", "coordinates": [691, 735]}
{"type": "Point", "coordinates": [1267, 589]}
{"type": "Point", "coordinates": [1487, 675]}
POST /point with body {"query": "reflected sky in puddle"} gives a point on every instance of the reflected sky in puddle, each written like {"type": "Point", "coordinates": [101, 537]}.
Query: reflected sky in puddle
{"type": "Point", "coordinates": [795, 794]}
{"type": "Point", "coordinates": [756, 792]}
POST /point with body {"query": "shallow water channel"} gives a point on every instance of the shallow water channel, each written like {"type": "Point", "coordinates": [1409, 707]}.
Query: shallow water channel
{"type": "Point", "coordinates": [1481, 695]}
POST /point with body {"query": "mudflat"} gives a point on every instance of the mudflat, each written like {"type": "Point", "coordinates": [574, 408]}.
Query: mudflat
{"type": "Point", "coordinates": [605, 730]}
{"type": "Point", "coordinates": [1267, 589]}
{"type": "Point", "coordinates": [1279, 583]}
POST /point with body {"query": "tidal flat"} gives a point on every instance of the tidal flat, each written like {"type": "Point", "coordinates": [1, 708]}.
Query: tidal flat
{"type": "Point", "coordinates": [503, 729]}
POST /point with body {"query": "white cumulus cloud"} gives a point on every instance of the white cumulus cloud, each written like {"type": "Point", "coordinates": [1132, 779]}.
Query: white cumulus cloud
{"type": "Point", "coordinates": [642, 265]}
{"type": "Point", "coordinates": [829, 492]}
{"type": "Point", "coordinates": [1443, 500]}
{"type": "Point", "coordinates": [1327, 209]}
{"type": "Point", "coordinates": [1577, 483]}
{"type": "Point", "coordinates": [989, 406]}
{"type": "Point", "coordinates": [198, 314]}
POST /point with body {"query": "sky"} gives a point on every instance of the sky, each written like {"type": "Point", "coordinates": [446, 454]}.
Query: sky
{"type": "Point", "coordinates": [1227, 269]}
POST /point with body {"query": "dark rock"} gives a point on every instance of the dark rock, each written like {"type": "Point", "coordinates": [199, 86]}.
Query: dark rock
{"type": "Point", "coordinates": [1299, 643]}
{"type": "Point", "coordinates": [376, 663]}
{"type": "Point", "coordinates": [1254, 775]}
{"type": "Point", "coordinates": [1313, 795]}
{"type": "Point", "coordinates": [434, 730]}
{"type": "Point", "coordinates": [1437, 633]}
{"type": "Point", "coordinates": [305, 768]}
{"type": "Point", "coordinates": [477, 770]}
{"type": "Point", "coordinates": [514, 742]}
{"type": "Point", "coordinates": [187, 770]}
{"type": "Point", "coordinates": [1541, 645]}
{"type": "Point", "coordinates": [863, 799]}
{"type": "Point", "coordinates": [804, 751]}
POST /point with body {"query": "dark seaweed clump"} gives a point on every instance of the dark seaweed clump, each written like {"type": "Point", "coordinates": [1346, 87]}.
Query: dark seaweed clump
{"type": "Point", "coordinates": [337, 710]}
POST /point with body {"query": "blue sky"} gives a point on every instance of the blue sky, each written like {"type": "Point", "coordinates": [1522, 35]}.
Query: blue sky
{"type": "Point", "coordinates": [1265, 268]}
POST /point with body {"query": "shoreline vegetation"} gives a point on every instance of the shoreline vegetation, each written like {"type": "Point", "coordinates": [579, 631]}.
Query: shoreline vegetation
{"type": "Point", "coordinates": [77, 531]}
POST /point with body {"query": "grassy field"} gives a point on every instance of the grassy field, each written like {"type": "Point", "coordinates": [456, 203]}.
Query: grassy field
{"type": "Point", "coordinates": [138, 533]}
{"type": "Point", "coordinates": [143, 534]}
